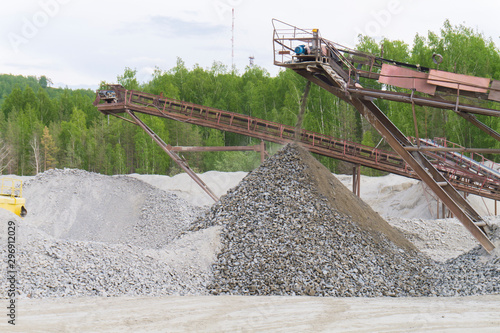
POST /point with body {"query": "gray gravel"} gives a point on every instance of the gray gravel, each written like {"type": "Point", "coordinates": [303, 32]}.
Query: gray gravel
{"type": "Point", "coordinates": [284, 235]}
{"type": "Point", "coordinates": [92, 235]}
{"type": "Point", "coordinates": [59, 268]}
{"type": "Point", "coordinates": [473, 273]}
{"type": "Point", "coordinates": [79, 205]}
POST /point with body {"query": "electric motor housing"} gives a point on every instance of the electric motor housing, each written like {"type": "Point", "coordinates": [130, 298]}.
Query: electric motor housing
{"type": "Point", "coordinates": [302, 50]}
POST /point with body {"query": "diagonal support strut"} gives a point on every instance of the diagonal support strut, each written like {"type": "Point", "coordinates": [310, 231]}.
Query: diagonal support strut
{"type": "Point", "coordinates": [471, 220]}
{"type": "Point", "coordinates": [168, 149]}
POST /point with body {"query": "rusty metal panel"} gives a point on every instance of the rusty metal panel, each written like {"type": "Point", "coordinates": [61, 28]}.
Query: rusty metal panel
{"type": "Point", "coordinates": [495, 91]}
{"type": "Point", "coordinates": [406, 78]}
{"type": "Point", "coordinates": [456, 81]}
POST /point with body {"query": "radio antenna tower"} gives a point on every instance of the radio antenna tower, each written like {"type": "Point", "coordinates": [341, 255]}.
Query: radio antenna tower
{"type": "Point", "coordinates": [232, 45]}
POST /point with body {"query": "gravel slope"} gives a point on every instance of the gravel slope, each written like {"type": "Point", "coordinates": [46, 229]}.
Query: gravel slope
{"type": "Point", "coordinates": [290, 228]}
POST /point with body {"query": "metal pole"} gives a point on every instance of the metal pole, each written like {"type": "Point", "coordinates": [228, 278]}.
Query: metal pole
{"type": "Point", "coordinates": [437, 210]}
{"type": "Point", "coordinates": [354, 180]}
{"type": "Point", "coordinates": [415, 118]}
{"type": "Point", "coordinates": [358, 167]}
{"type": "Point", "coordinates": [300, 118]}
{"type": "Point", "coordinates": [262, 151]}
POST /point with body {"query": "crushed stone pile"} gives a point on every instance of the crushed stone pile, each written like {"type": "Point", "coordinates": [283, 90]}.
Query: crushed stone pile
{"type": "Point", "coordinates": [473, 273]}
{"type": "Point", "coordinates": [291, 228]}
{"type": "Point", "coordinates": [80, 205]}
{"type": "Point", "coordinates": [92, 235]}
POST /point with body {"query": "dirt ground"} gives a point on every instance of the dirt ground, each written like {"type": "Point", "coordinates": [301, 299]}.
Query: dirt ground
{"type": "Point", "coordinates": [250, 314]}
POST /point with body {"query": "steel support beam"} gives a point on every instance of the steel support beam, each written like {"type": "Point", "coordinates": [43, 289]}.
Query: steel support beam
{"type": "Point", "coordinates": [300, 117]}
{"type": "Point", "coordinates": [457, 149]}
{"type": "Point", "coordinates": [356, 180]}
{"type": "Point", "coordinates": [483, 127]}
{"type": "Point", "coordinates": [260, 148]}
{"type": "Point", "coordinates": [422, 101]}
{"type": "Point", "coordinates": [168, 149]}
{"type": "Point", "coordinates": [425, 170]}
{"type": "Point", "coordinates": [256, 148]}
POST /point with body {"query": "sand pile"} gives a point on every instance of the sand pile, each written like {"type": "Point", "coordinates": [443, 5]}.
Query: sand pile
{"type": "Point", "coordinates": [80, 205]}
{"type": "Point", "coordinates": [182, 185]}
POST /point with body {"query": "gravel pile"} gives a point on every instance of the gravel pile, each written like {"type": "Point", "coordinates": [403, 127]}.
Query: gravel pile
{"type": "Point", "coordinates": [291, 228]}
{"type": "Point", "coordinates": [80, 205]}
{"type": "Point", "coordinates": [59, 268]}
{"type": "Point", "coordinates": [92, 235]}
{"type": "Point", "coordinates": [473, 273]}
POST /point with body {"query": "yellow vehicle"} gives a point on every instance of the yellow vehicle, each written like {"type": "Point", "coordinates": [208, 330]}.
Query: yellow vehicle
{"type": "Point", "coordinates": [11, 192]}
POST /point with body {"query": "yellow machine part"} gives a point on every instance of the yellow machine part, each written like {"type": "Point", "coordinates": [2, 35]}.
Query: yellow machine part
{"type": "Point", "coordinates": [11, 191]}
{"type": "Point", "coordinates": [15, 205]}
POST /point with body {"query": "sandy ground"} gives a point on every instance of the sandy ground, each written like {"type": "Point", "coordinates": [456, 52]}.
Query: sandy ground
{"type": "Point", "coordinates": [250, 314]}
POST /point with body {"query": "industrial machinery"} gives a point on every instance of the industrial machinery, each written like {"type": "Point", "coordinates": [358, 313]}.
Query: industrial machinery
{"type": "Point", "coordinates": [11, 192]}
{"type": "Point", "coordinates": [339, 70]}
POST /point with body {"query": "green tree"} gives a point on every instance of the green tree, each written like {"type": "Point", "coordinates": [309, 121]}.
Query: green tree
{"type": "Point", "coordinates": [128, 79]}
{"type": "Point", "coordinates": [43, 81]}
{"type": "Point", "coordinates": [49, 150]}
{"type": "Point", "coordinates": [73, 138]}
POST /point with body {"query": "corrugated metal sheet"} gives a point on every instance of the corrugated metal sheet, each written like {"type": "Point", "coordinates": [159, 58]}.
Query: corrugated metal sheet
{"type": "Point", "coordinates": [495, 91]}
{"type": "Point", "coordinates": [456, 81]}
{"type": "Point", "coordinates": [406, 78]}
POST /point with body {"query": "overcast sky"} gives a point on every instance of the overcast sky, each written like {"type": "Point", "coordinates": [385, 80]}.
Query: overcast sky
{"type": "Point", "coordinates": [79, 43]}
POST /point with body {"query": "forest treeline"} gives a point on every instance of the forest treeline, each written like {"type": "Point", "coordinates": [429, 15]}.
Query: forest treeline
{"type": "Point", "coordinates": [44, 127]}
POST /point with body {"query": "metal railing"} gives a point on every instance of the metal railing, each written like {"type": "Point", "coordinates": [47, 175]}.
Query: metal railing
{"type": "Point", "coordinates": [11, 187]}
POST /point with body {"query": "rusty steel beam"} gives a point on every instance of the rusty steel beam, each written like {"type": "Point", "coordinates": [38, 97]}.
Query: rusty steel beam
{"type": "Point", "coordinates": [483, 127]}
{"type": "Point", "coordinates": [426, 171]}
{"type": "Point", "coordinates": [256, 148]}
{"type": "Point", "coordinates": [263, 151]}
{"type": "Point", "coordinates": [300, 118]}
{"type": "Point", "coordinates": [261, 129]}
{"type": "Point", "coordinates": [260, 148]}
{"type": "Point", "coordinates": [458, 149]}
{"type": "Point", "coordinates": [356, 180]}
{"type": "Point", "coordinates": [421, 101]}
